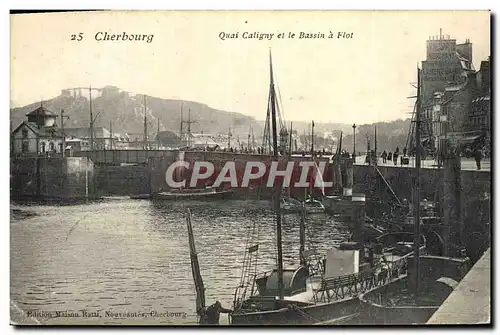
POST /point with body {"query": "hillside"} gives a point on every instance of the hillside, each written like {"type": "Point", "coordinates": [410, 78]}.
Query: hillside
{"type": "Point", "coordinates": [126, 112]}
{"type": "Point", "coordinates": [389, 136]}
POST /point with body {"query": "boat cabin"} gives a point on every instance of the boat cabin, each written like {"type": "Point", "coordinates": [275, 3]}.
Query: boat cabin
{"type": "Point", "coordinates": [344, 260]}
{"type": "Point", "coordinates": [294, 282]}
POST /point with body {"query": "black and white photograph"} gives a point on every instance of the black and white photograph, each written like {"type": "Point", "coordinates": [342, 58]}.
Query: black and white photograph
{"type": "Point", "coordinates": [250, 168]}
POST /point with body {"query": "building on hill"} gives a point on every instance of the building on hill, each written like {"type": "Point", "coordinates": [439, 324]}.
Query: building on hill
{"type": "Point", "coordinates": [102, 137]}
{"type": "Point", "coordinates": [38, 135]}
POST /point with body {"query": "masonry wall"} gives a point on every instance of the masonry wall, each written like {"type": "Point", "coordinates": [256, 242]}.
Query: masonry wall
{"type": "Point", "coordinates": [158, 167]}
{"type": "Point", "coordinates": [115, 180]}
{"type": "Point", "coordinates": [52, 178]}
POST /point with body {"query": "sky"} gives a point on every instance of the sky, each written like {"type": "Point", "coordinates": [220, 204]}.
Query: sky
{"type": "Point", "coordinates": [363, 79]}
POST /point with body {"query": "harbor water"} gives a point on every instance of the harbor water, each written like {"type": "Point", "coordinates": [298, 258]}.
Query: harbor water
{"type": "Point", "coordinates": [122, 261]}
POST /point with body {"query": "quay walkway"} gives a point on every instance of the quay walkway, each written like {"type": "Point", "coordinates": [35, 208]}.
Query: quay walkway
{"type": "Point", "coordinates": [467, 163]}
{"type": "Point", "coordinates": [470, 302]}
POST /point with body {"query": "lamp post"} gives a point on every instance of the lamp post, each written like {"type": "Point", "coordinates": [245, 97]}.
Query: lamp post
{"type": "Point", "coordinates": [354, 143]}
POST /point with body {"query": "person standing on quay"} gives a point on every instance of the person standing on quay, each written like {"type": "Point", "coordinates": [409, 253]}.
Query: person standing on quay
{"type": "Point", "coordinates": [384, 157]}
{"type": "Point", "coordinates": [211, 315]}
{"type": "Point", "coordinates": [477, 157]}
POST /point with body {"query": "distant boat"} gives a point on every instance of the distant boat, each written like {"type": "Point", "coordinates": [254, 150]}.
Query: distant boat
{"type": "Point", "coordinates": [290, 205]}
{"type": "Point", "coordinates": [314, 206]}
{"type": "Point", "coordinates": [193, 193]}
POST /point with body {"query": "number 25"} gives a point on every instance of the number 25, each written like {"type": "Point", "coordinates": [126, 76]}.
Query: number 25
{"type": "Point", "coordinates": [78, 37]}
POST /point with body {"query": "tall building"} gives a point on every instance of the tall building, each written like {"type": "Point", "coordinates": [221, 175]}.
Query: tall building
{"type": "Point", "coordinates": [448, 70]}
{"type": "Point", "coordinates": [448, 66]}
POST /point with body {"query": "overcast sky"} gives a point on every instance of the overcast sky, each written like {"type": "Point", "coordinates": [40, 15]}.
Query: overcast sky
{"type": "Point", "coordinates": [364, 79]}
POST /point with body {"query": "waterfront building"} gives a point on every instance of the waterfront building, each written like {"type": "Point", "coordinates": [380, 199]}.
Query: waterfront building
{"type": "Point", "coordinates": [455, 98]}
{"type": "Point", "coordinates": [461, 113]}
{"type": "Point", "coordinates": [480, 112]}
{"type": "Point", "coordinates": [38, 135]}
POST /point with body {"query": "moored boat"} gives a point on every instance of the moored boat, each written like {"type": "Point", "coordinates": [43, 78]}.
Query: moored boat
{"type": "Point", "coordinates": [330, 296]}
{"type": "Point", "coordinates": [192, 194]}
{"type": "Point", "coordinates": [314, 206]}
{"type": "Point", "coordinates": [289, 205]}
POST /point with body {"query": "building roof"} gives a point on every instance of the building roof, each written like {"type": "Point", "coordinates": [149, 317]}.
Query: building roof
{"type": "Point", "coordinates": [41, 111]}
{"type": "Point", "coordinates": [40, 131]}
{"type": "Point", "coordinates": [204, 141]}
{"type": "Point", "coordinates": [84, 132]}
{"type": "Point", "coordinates": [485, 97]}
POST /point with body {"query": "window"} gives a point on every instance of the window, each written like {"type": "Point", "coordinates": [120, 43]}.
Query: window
{"type": "Point", "coordinates": [42, 148]}
{"type": "Point", "coordinates": [51, 146]}
{"type": "Point", "coordinates": [60, 147]}
{"type": "Point", "coordinates": [25, 146]}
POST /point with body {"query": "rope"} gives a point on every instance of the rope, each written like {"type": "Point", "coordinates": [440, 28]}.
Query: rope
{"type": "Point", "coordinates": [74, 226]}
{"type": "Point", "coordinates": [296, 308]}
{"type": "Point", "coordinates": [249, 262]}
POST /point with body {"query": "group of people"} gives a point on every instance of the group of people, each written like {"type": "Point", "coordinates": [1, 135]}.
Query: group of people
{"type": "Point", "coordinates": [345, 153]}
{"type": "Point", "coordinates": [393, 156]}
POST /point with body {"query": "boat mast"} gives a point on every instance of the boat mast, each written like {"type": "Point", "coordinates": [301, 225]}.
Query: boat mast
{"type": "Point", "coordinates": [91, 120]}
{"type": "Point", "coordinates": [253, 141]}
{"type": "Point", "coordinates": [302, 234]}
{"type": "Point", "coordinates": [248, 141]}
{"type": "Point", "coordinates": [195, 268]}
{"type": "Point", "coordinates": [158, 135]}
{"type": "Point", "coordinates": [312, 139]}
{"type": "Point", "coordinates": [290, 139]}
{"type": "Point", "coordinates": [146, 146]}
{"type": "Point", "coordinates": [276, 193]}
{"type": "Point", "coordinates": [180, 132]}
{"type": "Point", "coordinates": [416, 237]}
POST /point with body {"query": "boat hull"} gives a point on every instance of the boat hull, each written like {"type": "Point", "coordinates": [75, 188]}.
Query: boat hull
{"type": "Point", "coordinates": [315, 210]}
{"type": "Point", "coordinates": [335, 312]}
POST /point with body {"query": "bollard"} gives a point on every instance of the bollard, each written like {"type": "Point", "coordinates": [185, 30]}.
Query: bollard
{"type": "Point", "coordinates": [452, 206]}
{"type": "Point", "coordinates": [348, 181]}
{"type": "Point", "coordinates": [337, 175]}
{"type": "Point", "coordinates": [358, 216]}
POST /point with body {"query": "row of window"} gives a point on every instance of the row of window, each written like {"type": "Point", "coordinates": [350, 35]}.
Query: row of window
{"type": "Point", "coordinates": [43, 147]}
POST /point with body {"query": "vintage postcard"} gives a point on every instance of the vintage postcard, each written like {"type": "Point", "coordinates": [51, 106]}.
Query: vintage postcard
{"type": "Point", "coordinates": [250, 168]}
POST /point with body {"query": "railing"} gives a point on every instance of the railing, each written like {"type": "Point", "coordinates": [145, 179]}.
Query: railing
{"type": "Point", "coordinates": [352, 285]}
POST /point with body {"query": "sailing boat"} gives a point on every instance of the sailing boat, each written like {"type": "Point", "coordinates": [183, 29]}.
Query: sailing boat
{"type": "Point", "coordinates": [310, 293]}
{"type": "Point", "coordinates": [314, 206]}
{"type": "Point", "coordinates": [289, 204]}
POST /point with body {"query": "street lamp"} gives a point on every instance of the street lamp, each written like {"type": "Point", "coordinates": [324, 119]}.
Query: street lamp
{"type": "Point", "coordinates": [354, 142]}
